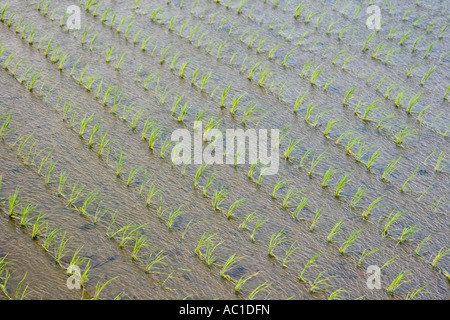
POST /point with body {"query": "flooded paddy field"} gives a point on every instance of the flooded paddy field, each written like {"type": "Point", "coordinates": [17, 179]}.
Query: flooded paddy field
{"type": "Point", "coordinates": [89, 192]}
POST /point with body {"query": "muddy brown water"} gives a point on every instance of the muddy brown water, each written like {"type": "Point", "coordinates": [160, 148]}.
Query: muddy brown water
{"type": "Point", "coordinates": [191, 277]}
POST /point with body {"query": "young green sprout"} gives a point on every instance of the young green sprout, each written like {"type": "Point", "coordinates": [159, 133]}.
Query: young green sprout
{"type": "Point", "coordinates": [397, 282]}
{"type": "Point", "coordinates": [275, 240]}
{"type": "Point", "coordinates": [349, 242]}
{"type": "Point", "coordinates": [341, 184]}
{"type": "Point", "coordinates": [309, 263]}
{"type": "Point", "coordinates": [336, 230]}
{"type": "Point", "coordinates": [439, 256]}
{"type": "Point", "coordinates": [316, 219]}
{"type": "Point", "coordinates": [230, 263]}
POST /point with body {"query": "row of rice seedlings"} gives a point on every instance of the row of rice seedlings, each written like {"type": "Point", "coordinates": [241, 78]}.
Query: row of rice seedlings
{"type": "Point", "coordinates": [209, 241]}
{"type": "Point", "coordinates": [5, 275]}
{"type": "Point", "coordinates": [41, 229]}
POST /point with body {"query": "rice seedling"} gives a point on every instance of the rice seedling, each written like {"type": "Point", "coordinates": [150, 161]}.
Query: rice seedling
{"type": "Point", "coordinates": [405, 133]}
{"type": "Point", "coordinates": [392, 166]}
{"type": "Point", "coordinates": [73, 66]}
{"type": "Point", "coordinates": [154, 264]}
{"type": "Point", "coordinates": [439, 256]}
{"type": "Point", "coordinates": [368, 211]}
{"type": "Point", "coordinates": [299, 100]}
{"type": "Point", "coordinates": [219, 197]}
{"type": "Point", "coordinates": [278, 185]}
{"type": "Point", "coordinates": [446, 93]}
{"type": "Point", "coordinates": [316, 219]}
{"type": "Point", "coordinates": [4, 129]}
{"type": "Point", "coordinates": [84, 123]}
{"type": "Point", "coordinates": [275, 240]}
{"type": "Point", "coordinates": [441, 33]}
{"type": "Point", "coordinates": [380, 83]}
{"type": "Point", "coordinates": [120, 61]}
{"type": "Point", "coordinates": [405, 37]}
{"type": "Point", "coordinates": [299, 208]}
{"type": "Point", "coordinates": [258, 224]}
{"type": "Point", "coordinates": [349, 95]}
{"type": "Point", "coordinates": [287, 56]}
{"type": "Point", "coordinates": [39, 227]}
{"type": "Point", "coordinates": [75, 195]}
{"type": "Point", "coordinates": [263, 287]}
{"type": "Point", "coordinates": [13, 202]}
{"type": "Point", "coordinates": [427, 75]}
{"type": "Point", "coordinates": [350, 58]}
{"type": "Point", "coordinates": [290, 196]}
{"type": "Point", "coordinates": [99, 288]}
{"type": "Point", "coordinates": [128, 233]}
{"type": "Point", "coordinates": [327, 176]}
{"type": "Point", "coordinates": [25, 291]}
{"type": "Point", "coordinates": [49, 239]}
{"type": "Point", "coordinates": [440, 164]}
{"type": "Point", "coordinates": [132, 173]}
{"type": "Point", "coordinates": [390, 220]}
{"type": "Point", "coordinates": [242, 281]}
{"type": "Point", "coordinates": [341, 184]}
{"type": "Point", "coordinates": [366, 42]}
{"type": "Point", "coordinates": [91, 197]}
{"type": "Point", "coordinates": [94, 132]}
{"type": "Point", "coordinates": [173, 215]}
{"type": "Point", "coordinates": [412, 176]}
{"type": "Point", "coordinates": [310, 263]}
{"type": "Point", "coordinates": [205, 239]}
{"type": "Point", "coordinates": [249, 218]}
{"type": "Point", "coordinates": [293, 145]}
{"type": "Point", "coordinates": [407, 233]}
{"type": "Point", "coordinates": [209, 182]}
{"type": "Point", "coordinates": [60, 250]}
{"type": "Point", "coordinates": [9, 59]}
{"type": "Point", "coordinates": [315, 74]}
{"type": "Point", "coordinates": [234, 207]}
{"type": "Point", "coordinates": [364, 255]}
{"type": "Point", "coordinates": [35, 77]}
{"type": "Point", "coordinates": [230, 263]}
{"type": "Point", "coordinates": [25, 213]}
{"type": "Point", "coordinates": [235, 103]}
{"type": "Point", "coordinates": [152, 192]}
{"type": "Point", "coordinates": [357, 197]}
{"type": "Point", "coordinates": [397, 282]}
{"type": "Point", "coordinates": [336, 230]}
{"type": "Point", "coordinates": [155, 134]}
{"type": "Point", "coordinates": [427, 52]}
{"type": "Point", "coordinates": [320, 283]}
{"type": "Point", "coordinates": [349, 242]}
{"type": "Point", "coordinates": [413, 293]}
{"type": "Point", "coordinates": [316, 161]}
